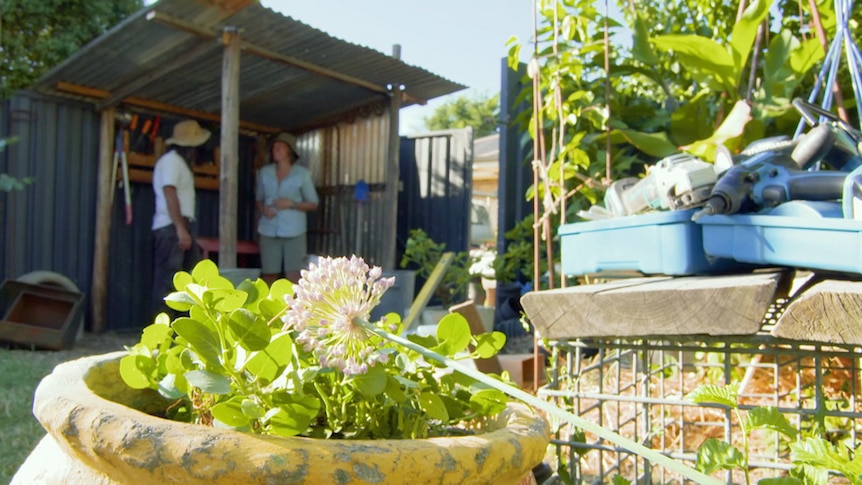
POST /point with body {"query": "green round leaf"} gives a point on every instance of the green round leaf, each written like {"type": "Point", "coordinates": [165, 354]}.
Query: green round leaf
{"type": "Point", "coordinates": [219, 282]}
{"type": "Point", "coordinates": [251, 290]}
{"type": "Point", "coordinates": [205, 270]}
{"type": "Point", "coordinates": [268, 363]}
{"type": "Point", "coordinates": [453, 334]}
{"type": "Point", "coordinates": [196, 292]}
{"type": "Point", "coordinates": [488, 344]}
{"type": "Point", "coordinates": [394, 391]}
{"type": "Point", "coordinates": [250, 331]}
{"type": "Point", "coordinates": [226, 300]}
{"type": "Point", "coordinates": [294, 417]}
{"type": "Point", "coordinates": [252, 409]}
{"type": "Point", "coordinates": [279, 289]}
{"type": "Point", "coordinates": [180, 301]}
{"type": "Point", "coordinates": [181, 279]}
{"type": "Point", "coordinates": [199, 313]}
{"type": "Point", "coordinates": [488, 402]}
{"type": "Point", "coordinates": [372, 383]}
{"type": "Point", "coordinates": [137, 370]}
{"type": "Point", "coordinates": [178, 360]}
{"type": "Point", "coordinates": [157, 334]}
{"type": "Point", "coordinates": [230, 413]}
{"type": "Point", "coordinates": [433, 406]}
{"type": "Point", "coordinates": [162, 319]}
{"type": "Point", "coordinates": [269, 309]}
{"type": "Point", "coordinates": [208, 382]}
{"type": "Point", "coordinates": [202, 339]}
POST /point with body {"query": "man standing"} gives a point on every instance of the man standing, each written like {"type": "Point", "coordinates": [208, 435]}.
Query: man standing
{"type": "Point", "coordinates": [175, 248]}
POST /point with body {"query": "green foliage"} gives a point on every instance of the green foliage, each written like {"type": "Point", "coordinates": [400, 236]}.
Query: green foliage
{"type": "Point", "coordinates": [422, 253]}
{"type": "Point", "coordinates": [480, 112]}
{"type": "Point", "coordinates": [38, 34]}
{"type": "Point", "coordinates": [813, 458]}
{"type": "Point", "coordinates": [232, 363]}
{"type": "Point", "coordinates": [7, 182]}
{"type": "Point", "coordinates": [820, 456]}
{"type": "Point", "coordinates": [516, 264]}
{"type": "Point", "coordinates": [689, 68]}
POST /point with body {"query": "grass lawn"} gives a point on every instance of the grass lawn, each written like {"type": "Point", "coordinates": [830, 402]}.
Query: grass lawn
{"type": "Point", "coordinates": [21, 372]}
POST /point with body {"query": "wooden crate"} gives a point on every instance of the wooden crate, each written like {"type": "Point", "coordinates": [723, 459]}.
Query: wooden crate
{"type": "Point", "coordinates": [42, 316]}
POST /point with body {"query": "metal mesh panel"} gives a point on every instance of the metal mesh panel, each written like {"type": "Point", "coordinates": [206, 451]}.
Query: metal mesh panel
{"type": "Point", "coordinates": [637, 388]}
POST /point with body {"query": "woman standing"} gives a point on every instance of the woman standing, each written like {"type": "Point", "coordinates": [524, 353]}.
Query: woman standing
{"type": "Point", "coordinates": [285, 193]}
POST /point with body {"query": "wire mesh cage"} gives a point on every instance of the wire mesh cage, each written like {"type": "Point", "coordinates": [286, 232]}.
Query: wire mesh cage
{"type": "Point", "coordinates": [638, 388]}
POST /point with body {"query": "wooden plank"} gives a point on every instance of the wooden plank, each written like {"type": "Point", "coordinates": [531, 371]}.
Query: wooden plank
{"type": "Point", "coordinates": [828, 312]}
{"type": "Point", "coordinates": [95, 93]}
{"type": "Point", "coordinates": [228, 183]}
{"type": "Point", "coordinates": [697, 305]}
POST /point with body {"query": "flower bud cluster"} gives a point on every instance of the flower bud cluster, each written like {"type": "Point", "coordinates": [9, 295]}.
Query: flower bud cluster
{"type": "Point", "coordinates": [330, 308]}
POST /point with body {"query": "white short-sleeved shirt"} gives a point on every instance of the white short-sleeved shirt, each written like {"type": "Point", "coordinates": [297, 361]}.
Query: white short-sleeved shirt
{"type": "Point", "coordinates": [172, 170]}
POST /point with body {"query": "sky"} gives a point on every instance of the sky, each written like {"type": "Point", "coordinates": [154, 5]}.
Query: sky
{"type": "Point", "coordinates": [461, 40]}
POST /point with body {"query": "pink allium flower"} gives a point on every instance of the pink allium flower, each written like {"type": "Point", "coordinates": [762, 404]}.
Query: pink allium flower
{"type": "Point", "coordinates": [331, 302]}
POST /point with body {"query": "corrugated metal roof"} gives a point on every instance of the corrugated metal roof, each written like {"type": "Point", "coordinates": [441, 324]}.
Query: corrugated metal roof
{"type": "Point", "coordinates": [293, 77]}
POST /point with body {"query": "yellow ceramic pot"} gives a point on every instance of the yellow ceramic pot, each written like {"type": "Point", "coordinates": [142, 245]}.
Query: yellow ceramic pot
{"type": "Point", "coordinates": [97, 435]}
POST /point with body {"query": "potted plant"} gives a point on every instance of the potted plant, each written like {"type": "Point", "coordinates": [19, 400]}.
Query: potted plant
{"type": "Point", "coordinates": [422, 254]}
{"type": "Point", "coordinates": [288, 384]}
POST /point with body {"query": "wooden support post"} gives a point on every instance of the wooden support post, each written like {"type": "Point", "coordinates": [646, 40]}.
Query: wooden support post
{"type": "Point", "coordinates": [390, 196]}
{"type": "Point", "coordinates": [104, 201]}
{"type": "Point", "coordinates": [229, 163]}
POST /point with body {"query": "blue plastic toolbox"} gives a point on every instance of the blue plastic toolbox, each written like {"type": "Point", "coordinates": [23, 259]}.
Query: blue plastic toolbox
{"type": "Point", "coordinates": [655, 243]}
{"type": "Point", "coordinates": [811, 242]}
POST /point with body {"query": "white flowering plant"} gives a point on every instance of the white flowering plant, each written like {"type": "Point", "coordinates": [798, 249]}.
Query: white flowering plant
{"type": "Point", "coordinates": [303, 360]}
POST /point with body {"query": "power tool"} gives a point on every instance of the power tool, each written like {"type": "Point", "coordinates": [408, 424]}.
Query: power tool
{"type": "Point", "coordinates": [769, 178]}
{"type": "Point", "coordinates": [680, 181]}
{"type": "Point", "coordinates": [766, 178]}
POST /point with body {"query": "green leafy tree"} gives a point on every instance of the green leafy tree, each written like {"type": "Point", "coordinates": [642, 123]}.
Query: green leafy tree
{"type": "Point", "coordinates": [697, 74]}
{"type": "Point", "coordinates": [35, 35]}
{"type": "Point", "coordinates": [480, 112]}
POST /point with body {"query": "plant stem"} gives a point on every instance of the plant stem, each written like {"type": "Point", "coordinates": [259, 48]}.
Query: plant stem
{"type": "Point", "coordinates": [549, 408]}
{"type": "Point", "coordinates": [745, 432]}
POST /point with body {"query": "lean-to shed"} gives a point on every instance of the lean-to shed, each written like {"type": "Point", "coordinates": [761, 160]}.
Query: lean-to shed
{"type": "Point", "coordinates": [245, 72]}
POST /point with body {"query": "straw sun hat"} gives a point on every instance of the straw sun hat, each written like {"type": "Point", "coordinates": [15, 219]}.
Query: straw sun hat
{"type": "Point", "coordinates": [188, 133]}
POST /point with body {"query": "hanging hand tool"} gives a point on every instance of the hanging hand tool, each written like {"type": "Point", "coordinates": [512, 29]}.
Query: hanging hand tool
{"type": "Point", "coordinates": [121, 160]}
{"type": "Point", "coordinates": [141, 141]}
{"type": "Point", "coordinates": [154, 132]}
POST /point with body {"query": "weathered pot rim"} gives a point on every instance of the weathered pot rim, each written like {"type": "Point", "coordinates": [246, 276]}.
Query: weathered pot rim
{"type": "Point", "coordinates": [67, 406]}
